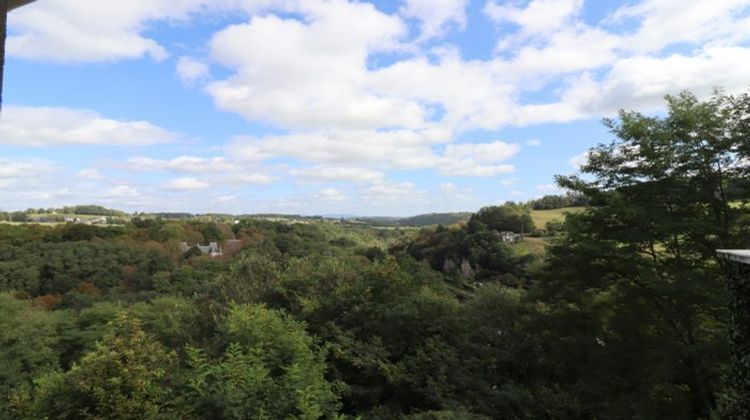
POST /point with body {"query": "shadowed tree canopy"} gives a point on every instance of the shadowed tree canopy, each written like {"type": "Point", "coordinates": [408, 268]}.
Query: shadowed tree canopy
{"type": "Point", "coordinates": [636, 272]}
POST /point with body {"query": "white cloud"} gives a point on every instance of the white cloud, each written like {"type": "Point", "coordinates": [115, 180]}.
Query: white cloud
{"type": "Point", "coordinates": [538, 17]}
{"type": "Point", "coordinates": [579, 160]}
{"type": "Point", "coordinates": [110, 30]}
{"type": "Point", "coordinates": [322, 174]}
{"type": "Point", "coordinates": [435, 15]}
{"type": "Point", "coordinates": [24, 174]}
{"type": "Point", "coordinates": [216, 170]}
{"type": "Point", "coordinates": [533, 142]}
{"type": "Point", "coordinates": [190, 70]}
{"type": "Point", "coordinates": [666, 22]}
{"type": "Point", "coordinates": [47, 126]}
{"type": "Point", "coordinates": [186, 183]}
{"type": "Point", "coordinates": [404, 149]}
{"type": "Point", "coordinates": [478, 159]}
{"type": "Point", "coordinates": [223, 199]}
{"type": "Point", "coordinates": [346, 114]}
{"type": "Point", "coordinates": [548, 188]}
{"type": "Point", "coordinates": [313, 73]}
{"type": "Point", "coordinates": [248, 178]}
{"type": "Point", "coordinates": [331, 194]}
{"type": "Point", "coordinates": [119, 192]}
{"type": "Point", "coordinates": [188, 164]}
{"type": "Point", "coordinates": [641, 82]}
{"type": "Point", "coordinates": [82, 30]}
{"type": "Point", "coordinates": [391, 196]}
{"type": "Point", "coordinates": [89, 174]}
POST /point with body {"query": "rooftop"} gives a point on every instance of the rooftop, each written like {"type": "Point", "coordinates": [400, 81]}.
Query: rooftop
{"type": "Point", "coordinates": [739, 255]}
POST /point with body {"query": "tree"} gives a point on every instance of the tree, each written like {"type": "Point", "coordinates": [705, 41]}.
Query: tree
{"type": "Point", "coordinates": [270, 368]}
{"type": "Point", "coordinates": [29, 344]}
{"type": "Point", "coordinates": [126, 376]}
{"type": "Point", "coordinates": [212, 233]}
{"type": "Point", "coordinates": [636, 295]}
{"type": "Point", "coordinates": [509, 217]}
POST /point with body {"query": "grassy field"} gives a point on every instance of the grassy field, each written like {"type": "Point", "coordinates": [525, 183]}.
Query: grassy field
{"type": "Point", "coordinates": [541, 217]}
{"type": "Point", "coordinates": [529, 245]}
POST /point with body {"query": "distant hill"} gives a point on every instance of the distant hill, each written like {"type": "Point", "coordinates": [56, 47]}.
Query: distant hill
{"type": "Point", "coordinates": [434, 219]}
{"type": "Point", "coordinates": [417, 221]}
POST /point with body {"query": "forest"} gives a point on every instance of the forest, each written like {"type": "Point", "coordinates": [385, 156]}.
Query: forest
{"type": "Point", "coordinates": [624, 315]}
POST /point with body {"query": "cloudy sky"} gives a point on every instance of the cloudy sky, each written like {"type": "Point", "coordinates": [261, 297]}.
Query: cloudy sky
{"type": "Point", "coordinates": [392, 107]}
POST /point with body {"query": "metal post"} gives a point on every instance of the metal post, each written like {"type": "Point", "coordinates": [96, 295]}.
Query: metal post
{"type": "Point", "coordinates": [737, 267]}
{"type": "Point", "coordinates": [7, 6]}
{"type": "Point", "coordinates": [3, 36]}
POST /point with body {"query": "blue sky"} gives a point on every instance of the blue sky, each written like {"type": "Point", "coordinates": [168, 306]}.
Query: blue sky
{"type": "Point", "coordinates": [392, 107]}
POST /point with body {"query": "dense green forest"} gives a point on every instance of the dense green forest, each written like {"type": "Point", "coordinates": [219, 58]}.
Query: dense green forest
{"type": "Point", "coordinates": [625, 315]}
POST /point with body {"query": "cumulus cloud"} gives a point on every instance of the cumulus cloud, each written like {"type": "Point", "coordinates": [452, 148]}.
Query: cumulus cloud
{"type": "Point", "coordinates": [186, 183]}
{"type": "Point", "coordinates": [579, 160]}
{"type": "Point", "coordinates": [48, 126]}
{"type": "Point", "coordinates": [548, 188]}
{"type": "Point", "coordinates": [389, 196]}
{"type": "Point", "coordinates": [322, 174]}
{"type": "Point", "coordinates": [331, 194]}
{"type": "Point", "coordinates": [435, 15]}
{"type": "Point", "coordinates": [248, 178]}
{"type": "Point", "coordinates": [538, 17]}
{"type": "Point", "coordinates": [89, 174]}
{"type": "Point", "coordinates": [24, 171]}
{"type": "Point", "coordinates": [179, 164]}
{"type": "Point", "coordinates": [190, 70]}
{"type": "Point", "coordinates": [478, 159]}
{"type": "Point", "coordinates": [86, 31]}
{"type": "Point", "coordinates": [403, 149]}
{"type": "Point", "coordinates": [345, 115]}
{"type": "Point", "coordinates": [312, 74]}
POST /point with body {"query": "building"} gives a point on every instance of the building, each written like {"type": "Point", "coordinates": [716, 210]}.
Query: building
{"type": "Point", "coordinates": [213, 249]}
{"type": "Point", "coordinates": [509, 237]}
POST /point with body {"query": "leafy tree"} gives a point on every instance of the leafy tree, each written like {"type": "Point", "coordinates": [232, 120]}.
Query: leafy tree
{"type": "Point", "coordinates": [509, 217]}
{"type": "Point", "coordinates": [212, 233]}
{"type": "Point", "coordinates": [636, 296]}
{"type": "Point", "coordinates": [124, 377]}
{"type": "Point", "coordinates": [30, 344]}
{"type": "Point", "coordinates": [269, 369]}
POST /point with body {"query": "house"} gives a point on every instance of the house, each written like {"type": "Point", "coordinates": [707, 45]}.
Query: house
{"type": "Point", "coordinates": [213, 249]}
{"type": "Point", "coordinates": [509, 237]}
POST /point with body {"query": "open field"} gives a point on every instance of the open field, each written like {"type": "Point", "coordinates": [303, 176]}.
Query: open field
{"type": "Point", "coordinates": [530, 245]}
{"type": "Point", "coordinates": [541, 217]}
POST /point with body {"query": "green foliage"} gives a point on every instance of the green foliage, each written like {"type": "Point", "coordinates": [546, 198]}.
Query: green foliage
{"type": "Point", "coordinates": [270, 369]}
{"type": "Point", "coordinates": [550, 202]}
{"type": "Point", "coordinates": [468, 253]}
{"type": "Point", "coordinates": [91, 210]}
{"type": "Point", "coordinates": [212, 233]}
{"type": "Point", "coordinates": [38, 268]}
{"type": "Point", "coordinates": [510, 217]}
{"type": "Point", "coordinates": [636, 273]}
{"type": "Point", "coordinates": [30, 344]}
{"type": "Point", "coordinates": [124, 377]}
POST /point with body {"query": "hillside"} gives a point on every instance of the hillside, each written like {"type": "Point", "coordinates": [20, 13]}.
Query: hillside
{"type": "Point", "coordinates": [541, 217]}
